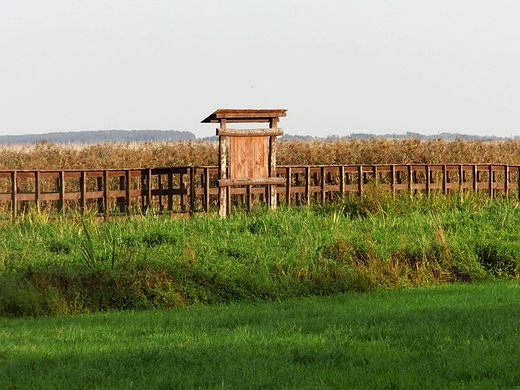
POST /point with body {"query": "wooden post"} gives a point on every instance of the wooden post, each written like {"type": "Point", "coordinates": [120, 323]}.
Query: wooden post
{"type": "Point", "coordinates": [61, 180]}
{"type": "Point", "coordinates": [128, 200]}
{"type": "Point", "coordinates": [288, 185]}
{"type": "Point", "coordinates": [506, 181]}
{"type": "Point", "coordinates": [392, 183]}
{"type": "Point", "coordinates": [206, 190]}
{"type": "Point", "coordinates": [297, 183]}
{"type": "Point", "coordinates": [428, 178]}
{"type": "Point", "coordinates": [491, 192]}
{"type": "Point", "coordinates": [122, 200]}
{"type": "Point", "coordinates": [248, 197]}
{"type": "Point", "coordinates": [100, 200]}
{"type": "Point", "coordinates": [360, 181]}
{"type": "Point", "coordinates": [410, 180]}
{"type": "Point", "coordinates": [106, 193]}
{"type": "Point", "coordinates": [461, 179]}
{"type": "Point", "coordinates": [160, 186]}
{"type": "Point", "coordinates": [273, 124]}
{"type": "Point", "coordinates": [322, 184]}
{"type": "Point", "coordinates": [83, 190]}
{"type": "Point", "coordinates": [445, 179]}
{"type": "Point", "coordinates": [308, 186]}
{"type": "Point", "coordinates": [475, 178]}
{"type": "Point", "coordinates": [192, 189]}
{"type": "Point", "coordinates": [14, 195]}
{"type": "Point", "coordinates": [37, 190]}
{"type": "Point", "coordinates": [342, 181]}
{"type": "Point", "coordinates": [223, 191]}
{"type": "Point", "coordinates": [182, 186]}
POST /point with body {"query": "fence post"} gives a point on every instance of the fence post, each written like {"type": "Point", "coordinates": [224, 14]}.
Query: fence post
{"type": "Point", "coordinates": [445, 179]}
{"type": "Point", "coordinates": [392, 180]}
{"type": "Point", "coordinates": [506, 181]}
{"type": "Point", "coordinates": [192, 189]}
{"type": "Point", "coordinates": [14, 197]}
{"type": "Point", "coordinates": [83, 190]}
{"type": "Point", "coordinates": [288, 185]}
{"type": "Point", "coordinates": [106, 194]}
{"type": "Point", "coordinates": [128, 193]}
{"type": "Point", "coordinates": [37, 190]}
{"type": "Point", "coordinates": [360, 181]}
{"type": "Point", "coordinates": [61, 181]}
{"type": "Point", "coordinates": [491, 192]}
{"type": "Point", "coordinates": [342, 181]}
{"type": "Point", "coordinates": [322, 184]}
{"type": "Point", "coordinates": [410, 179]}
{"type": "Point", "coordinates": [428, 178]}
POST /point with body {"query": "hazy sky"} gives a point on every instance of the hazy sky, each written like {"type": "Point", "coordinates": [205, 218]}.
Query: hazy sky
{"type": "Point", "coordinates": [338, 66]}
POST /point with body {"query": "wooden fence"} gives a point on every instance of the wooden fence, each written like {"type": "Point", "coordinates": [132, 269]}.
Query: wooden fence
{"type": "Point", "coordinates": [195, 189]}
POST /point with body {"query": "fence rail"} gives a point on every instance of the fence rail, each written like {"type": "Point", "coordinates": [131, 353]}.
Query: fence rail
{"type": "Point", "coordinates": [195, 189]}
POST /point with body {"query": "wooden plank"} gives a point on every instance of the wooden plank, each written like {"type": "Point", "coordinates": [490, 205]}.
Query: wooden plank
{"type": "Point", "coordinates": [253, 181]}
{"type": "Point", "coordinates": [244, 115]}
{"type": "Point", "coordinates": [249, 132]}
{"type": "Point", "coordinates": [248, 157]}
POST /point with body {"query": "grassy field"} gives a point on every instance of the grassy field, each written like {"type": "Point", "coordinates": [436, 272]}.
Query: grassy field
{"type": "Point", "coordinates": [78, 264]}
{"type": "Point", "coordinates": [457, 336]}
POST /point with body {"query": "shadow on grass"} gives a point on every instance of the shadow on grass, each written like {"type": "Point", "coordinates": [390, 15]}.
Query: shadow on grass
{"type": "Point", "coordinates": [431, 338]}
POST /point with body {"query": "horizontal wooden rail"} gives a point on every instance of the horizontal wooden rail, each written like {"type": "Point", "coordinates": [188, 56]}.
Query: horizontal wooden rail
{"type": "Point", "coordinates": [193, 189]}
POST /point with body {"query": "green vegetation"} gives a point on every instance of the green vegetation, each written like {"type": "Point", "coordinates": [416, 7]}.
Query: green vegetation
{"type": "Point", "coordinates": [78, 264]}
{"type": "Point", "coordinates": [454, 336]}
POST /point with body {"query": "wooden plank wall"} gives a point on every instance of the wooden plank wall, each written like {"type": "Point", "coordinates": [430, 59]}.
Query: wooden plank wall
{"type": "Point", "coordinates": [170, 189]}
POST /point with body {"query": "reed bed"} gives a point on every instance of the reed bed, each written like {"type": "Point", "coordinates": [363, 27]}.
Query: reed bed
{"type": "Point", "coordinates": [345, 151]}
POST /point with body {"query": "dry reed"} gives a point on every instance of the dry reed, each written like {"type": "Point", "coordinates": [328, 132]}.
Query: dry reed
{"type": "Point", "coordinates": [198, 153]}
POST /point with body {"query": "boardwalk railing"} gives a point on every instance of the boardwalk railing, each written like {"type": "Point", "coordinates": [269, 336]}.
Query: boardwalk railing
{"type": "Point", "coordinates": [195, 189]}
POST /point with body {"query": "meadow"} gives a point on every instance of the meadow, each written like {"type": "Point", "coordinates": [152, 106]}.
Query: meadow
{"type": "Point", "coordinates": [79, 264]}
{"type": "Point", "coordinates": [372, 292]}
{"type": "Point", "coordinates": [452, 336]}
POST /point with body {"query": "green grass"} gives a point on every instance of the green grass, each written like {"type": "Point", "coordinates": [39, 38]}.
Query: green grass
{"type": "Point", "coordinates": [55, 265]}
{"type": "Point", "coordinates": [458, 336]}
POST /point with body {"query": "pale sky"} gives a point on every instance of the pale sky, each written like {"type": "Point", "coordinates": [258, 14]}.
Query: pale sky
{"type": "Point", "coordinates": [338, 66]}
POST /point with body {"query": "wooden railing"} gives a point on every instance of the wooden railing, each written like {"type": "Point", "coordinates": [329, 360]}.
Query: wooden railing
{"type": "Point", "coordinates": [195, 189]}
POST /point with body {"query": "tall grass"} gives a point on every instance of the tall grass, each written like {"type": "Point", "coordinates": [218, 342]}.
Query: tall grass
{"type": "Point", "coordinates": [62, 265]}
